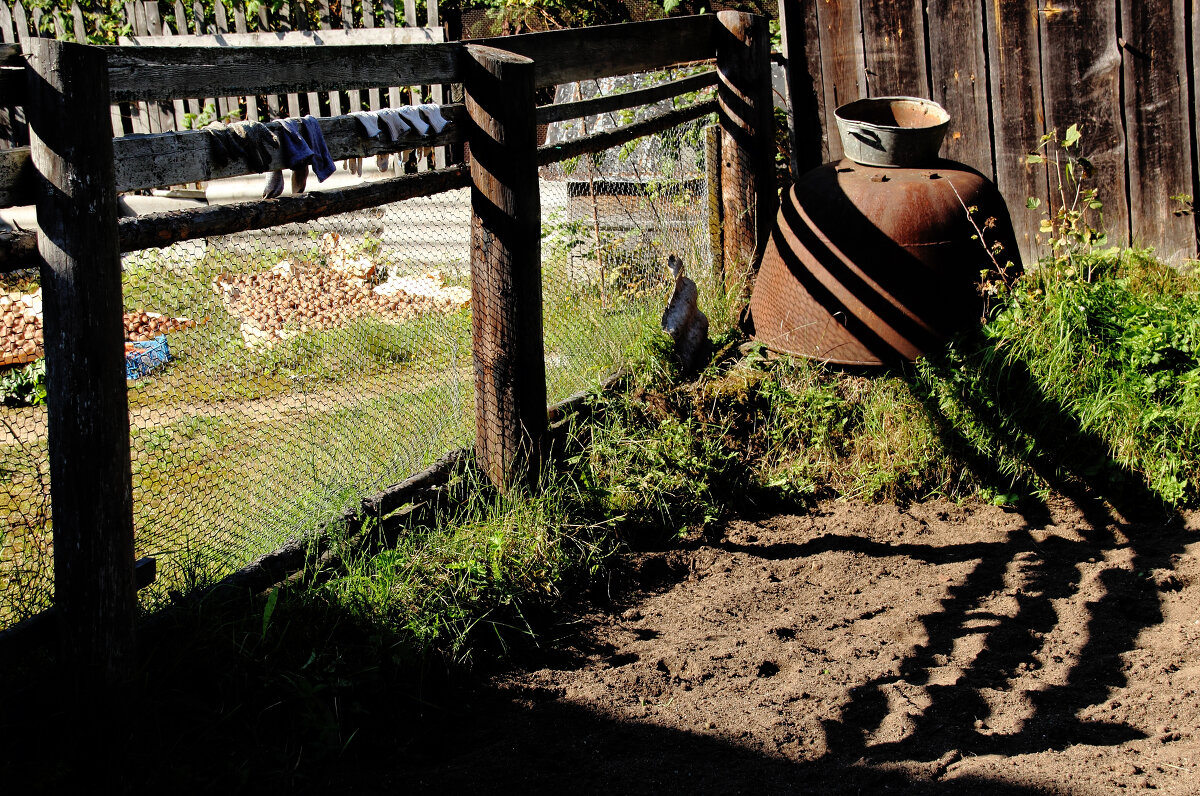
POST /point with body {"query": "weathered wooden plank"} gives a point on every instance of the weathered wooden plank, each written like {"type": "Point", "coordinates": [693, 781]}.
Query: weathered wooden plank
{"type": "Point", "coordinates": [506, 272]}
{"type": "Point", "coordinates": [239, 25]}
{"type": "Point", "coordinates": [410, 13]}
{"type": "Point", "coordinates": [958, 71]}
{"type": "Point", "coordinates": [598, 142]}
{"type": "Point", "coordinates": [227, 107]}
{"type": "Point", "coordinates": [7, 33]}
{"type": "Point", "coordinates": [162, 159]}
{"type": "Point", "coordinates": [748, 194]}
{"type": "Point", "coordinates": [431, 13]}
{"type": "Point", "coordinates": [842, 73]}
{"type": "Point", "coordinates": [894, 48]}
{"type": "Point", "coordinates": [1156, 113]}
{"type": "Point", "coordinates": [562, 111]}
{"type": "Point", "coordinates": [296, 38]}
{"type": "Point", "coordinates": [170, 72]}
{"type": "Point", "coordinates": [87, 404]}
{"type": "Point", "coordinates": [808, 137]}
{"type": "Point", "coordinates": [1081, 81]}
{"type": "Point", "coordinates": [374, 98]}
{"type": "Point", "coordinates": [611, 49]}
{"type": "Point", "coordinates": [1014, 62]}
{"type": "Point", "coordinates": [163, 229]}
{"type": "Point", "coordinates": [155, 230]}
{"type": "Point", "coordinates": [138, 114]}
{"type": "Point", "coordinates": [77, 23]}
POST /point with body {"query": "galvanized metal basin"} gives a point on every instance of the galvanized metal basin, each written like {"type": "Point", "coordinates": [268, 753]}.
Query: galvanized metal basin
{"type": "Point", "coordinates": [892, 131]}
{"type": "Point", "coordinates": [870, 265]}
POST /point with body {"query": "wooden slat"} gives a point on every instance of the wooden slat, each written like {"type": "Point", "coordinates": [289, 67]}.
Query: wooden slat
{"type": "Point", "coordinates": [844, 79]}
{"type": "Point", "coordinates": [226, 106]}
{"type": "Point", "coordinates": [431, 13]}
{"type": "Point", "coordinates": [139, 115]}
{"type": "Point", "coordinates": [239, 25]}
{"type": "Point", "coordinates": [894, 48]}
{"type": "Point", "coordinates": [163, 229]}
{"type": "Point", "coordinates": [374, 99]}
{"type": "Point", "coordinates": [295, 38]}
{"type": "Point", "coordinates": [170, 72]}
{"type": "Point", "coordinates": [1156, 92]}
{"type": "Point", "coordinates": [410, 13]}
{"type": "Point", "coordinates": [564, 56]}
{"type": "Point", "coordinates": [806, 98]}
{"type": "Point", "coordinates": [1081, 80]}
{"type": "Point", "coordinates": [6, 24]}
{"type": "Point", "coordinates": [597, 142]}
{"type": "Point", "coordinates": [389, 22]}
{"type": "Point", "coordinates": [162, 159]}
{"type": "Point", "coordinates": [562, 111]}
{"type": "Point", "coordinates": [1014, 62]}
{"type": "Point", "coordinates": [959, 74]}
{"type": "Point", "coordinates": [77, 23]}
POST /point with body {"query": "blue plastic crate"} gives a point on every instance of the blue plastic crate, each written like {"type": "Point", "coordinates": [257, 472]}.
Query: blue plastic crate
{"type": "Point", "coordinates": [147, 357]}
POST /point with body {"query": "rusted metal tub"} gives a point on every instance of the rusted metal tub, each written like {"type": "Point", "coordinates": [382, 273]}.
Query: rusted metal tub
{"type": "Point", "coordinates": [871, 265]}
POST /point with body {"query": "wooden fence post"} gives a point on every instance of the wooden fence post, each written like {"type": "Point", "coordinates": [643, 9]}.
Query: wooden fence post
{"type": "Point", "coordinates": [748, 194]}
{"type": "Point", "coordinates": [506, 269]}
{"type": "Point", "coordinates": [87, 404]}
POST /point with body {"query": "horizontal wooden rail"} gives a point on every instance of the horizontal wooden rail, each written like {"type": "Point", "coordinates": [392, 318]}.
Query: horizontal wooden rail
{"type": "Point", "coordinates": [555, 153]}
{"type": "Point", "coordinates": [166, 73]}
{"type": "Point", "coordinates": [546, 114]}
{"type": "Point", "coordinates": [163, 229]}
{"type": "Point", "coordinates": [563, 56]}
{"type": "Point", "coordinates": [156, 160]}
{"type": "Point", "coordinates": [338, 37]}
{"type": "Point", "coordinates": [18, 250]}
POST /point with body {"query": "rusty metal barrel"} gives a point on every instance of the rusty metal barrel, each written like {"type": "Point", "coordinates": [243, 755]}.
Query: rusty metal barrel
{"type": "Point", "coordinates": [871, 265]}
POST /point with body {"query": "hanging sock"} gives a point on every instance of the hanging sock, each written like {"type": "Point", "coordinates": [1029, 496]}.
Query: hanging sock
{"type": "Point", "coordinates": [353, 165]}
{"type": "Point", "coordinates": [299, 178]}
{"type": "Point", "coordinates": [255, 140]}
{"type": "Point", "coordinates": [381, 162]}
{"type": "Point", "coordinates": [274, 185]}
{"type": "Point", "coordinates": [222, 146]}
{"type": "Point", "coordinates": [432, 113]}
{"type": "Point", "coordinates": [413, 117]}
{"type": "Point", "coordinates": [322, 162]}
{"type": "Point", "coordinates": [296, 151]}
{"type": "Point", "coordinates": [395, 124]}
{"type": "Point", "coordinates": [369, 122]}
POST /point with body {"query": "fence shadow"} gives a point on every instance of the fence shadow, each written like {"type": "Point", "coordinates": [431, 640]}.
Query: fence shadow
{"type": "Point", "coordinates": [1119, 511]}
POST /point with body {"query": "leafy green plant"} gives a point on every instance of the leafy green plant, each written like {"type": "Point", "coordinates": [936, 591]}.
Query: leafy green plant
{"type": "Point", "coordinates": [1075, 223]}
{"type": "Point", "coordinates": [24, 386]}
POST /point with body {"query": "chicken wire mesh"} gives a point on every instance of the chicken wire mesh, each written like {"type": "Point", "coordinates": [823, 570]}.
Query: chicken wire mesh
{"type": "Point", "coordinates": [278, 376]}
{"type": "Point", "coordinates": [610, 221]}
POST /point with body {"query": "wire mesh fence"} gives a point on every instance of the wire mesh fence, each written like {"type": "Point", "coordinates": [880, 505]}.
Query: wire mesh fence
{"type": "Point", "coordinates": [277, 377]}
{"type": "Point", "coordinates": [610, 220]}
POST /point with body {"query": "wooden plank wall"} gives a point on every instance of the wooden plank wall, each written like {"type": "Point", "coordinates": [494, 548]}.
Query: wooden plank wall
{"type": "Point", "coordinates": [1011, 70]}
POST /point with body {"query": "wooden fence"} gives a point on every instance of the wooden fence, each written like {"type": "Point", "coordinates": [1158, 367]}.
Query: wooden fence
{"type": "Point", "coordinates": [1008, 71]}
{"type": "Point", "coordinates": [74, 170]}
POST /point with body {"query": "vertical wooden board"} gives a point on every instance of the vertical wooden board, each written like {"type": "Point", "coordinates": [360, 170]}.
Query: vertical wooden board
{"type": "Point", "coordinates": [374, 100]}
{"type": "Point", "coordinates": [1156, 114]}
{"type": "Point", "coordinates": [198, 25]}
{"type": "Point", "coordinates": [410, 13]}
{"type": "Point", "coordinates": [894, 48]}
{"type": "Point", "coordinates": [354, 96]}
{"type": "Point", "coordinates": [77, 23]}
{"type": "Point", "coordinates": [431, 13]}
{"type": "Point", "coordinates": [807, 133]}
{"type": "Point", "coordinates": [162, 115]}
{"type": "Point", "coordinates": [389, 13]}
{"type": "Point", "coordinates": [958, 74]}
{"type": "Point", "coordinates": [1081, 81]}
{"type": "Point", "coordinates": [20, 22]}
{"type": "Point", "coordinates": [842, 75]}
{"type": "Point", "coordinates": [239, 25]}
{"type": "Point", "coordinates": [325, 15]}
{"type": "Point", "coordinates": [1014, 63]}
{"type": "Point", "coordinates": [6, 24]}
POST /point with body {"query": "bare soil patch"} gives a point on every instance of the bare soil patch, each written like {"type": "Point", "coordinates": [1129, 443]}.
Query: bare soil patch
{"type": "Point", "coordinates": [858, 649]}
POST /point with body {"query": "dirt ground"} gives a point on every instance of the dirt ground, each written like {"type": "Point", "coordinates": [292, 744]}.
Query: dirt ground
{"type": "Point", "coordinates": [858, 649]}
